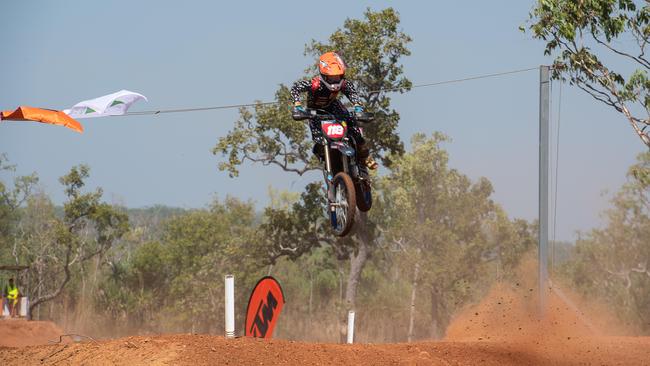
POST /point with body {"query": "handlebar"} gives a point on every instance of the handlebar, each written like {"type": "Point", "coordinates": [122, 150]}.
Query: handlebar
{"type": "Point", "coordinates": [299, 115]}
{"type": "Point", "coordinates": [319, 114]}
{"type": "Point", "coordinates": [364, 117]}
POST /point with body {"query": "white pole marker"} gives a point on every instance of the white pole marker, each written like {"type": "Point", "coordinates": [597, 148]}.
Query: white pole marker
{"type": "Point", "coordinates": [230, 306]}
{"type": "Point", "coordinates": [24, 305]}
{"type": "Point", "coordinates": [350, 326]}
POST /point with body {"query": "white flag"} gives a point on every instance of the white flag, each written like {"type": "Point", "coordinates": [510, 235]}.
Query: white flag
{"type": "Point", "coordinates": [109, 105]}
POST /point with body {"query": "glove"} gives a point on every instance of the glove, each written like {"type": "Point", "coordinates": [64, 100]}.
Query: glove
{"type": "Point", "coordinates": [358, 109]}
{"type": "Point", "coordinates": [299, 108]}
{"type": "Point", "coordinates": [298, 112]}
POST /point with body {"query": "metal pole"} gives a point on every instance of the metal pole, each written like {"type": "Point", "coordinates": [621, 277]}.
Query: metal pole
{"type": "Point", "coordinates": [544, 98]}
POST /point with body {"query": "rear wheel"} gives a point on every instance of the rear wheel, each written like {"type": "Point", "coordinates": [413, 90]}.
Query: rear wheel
{"type": "Point", "coordinates": [343, 208]}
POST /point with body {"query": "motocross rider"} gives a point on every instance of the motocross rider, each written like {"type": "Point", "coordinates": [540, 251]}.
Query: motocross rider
{"type": "Point", "coordinates": [322, 92]}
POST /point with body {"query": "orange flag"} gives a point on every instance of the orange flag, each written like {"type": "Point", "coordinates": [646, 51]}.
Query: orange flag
{"type": "Point", "coordinates": [24, 113]}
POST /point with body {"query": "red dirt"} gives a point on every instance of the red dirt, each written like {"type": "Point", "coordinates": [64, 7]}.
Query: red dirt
{"type": "Point", "coordinates": [215, 350]}
{"type": "Point", "coordinates": [20, 332]}
{"type": "Point", "coordinates": [499, 331]}
{"type": "Point", "coordinates": [508, 313]}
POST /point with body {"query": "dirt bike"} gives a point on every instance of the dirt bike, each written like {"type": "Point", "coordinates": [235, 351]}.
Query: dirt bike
{"type": "Point", "coordinates": [347, 181]}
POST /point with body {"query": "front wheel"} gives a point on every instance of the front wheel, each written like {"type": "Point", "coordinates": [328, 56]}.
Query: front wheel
{"type": "Point", "coordinates": [343, 207]}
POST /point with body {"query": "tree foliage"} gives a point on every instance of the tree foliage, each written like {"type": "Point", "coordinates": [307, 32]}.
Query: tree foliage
{"type": "Point", "coordinates": [57, 248]}
{"type": "Point", "coordinates": [612, 264]}
{"type": "Point", "coordinates": [11, 199]}
{"type": "Point", "coordinates": [601, 47]}
{"type": "Point", "coordinates": [447, 227]}
{"type": "Point", "coordinates": [176, 282]}
{"type": "Point", "coordinates": [82, 211]}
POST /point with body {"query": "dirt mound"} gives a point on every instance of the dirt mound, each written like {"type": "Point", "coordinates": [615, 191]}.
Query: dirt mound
{"type": "Point", "coordinates": [214, 350]}
{"type": "Point", "coordinates": [512, 312]}
{"type": "Point", "coordinates": [20, 332]}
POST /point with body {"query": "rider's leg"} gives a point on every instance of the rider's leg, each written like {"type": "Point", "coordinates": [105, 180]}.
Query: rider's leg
{"type": "Point", "coordinates": [363, 155]}
{"type": "Point", "coordinates": [317, 137]}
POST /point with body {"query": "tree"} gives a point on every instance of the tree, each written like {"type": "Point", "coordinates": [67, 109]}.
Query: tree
{"type": "Point", "coordinates": [11, 201]}
{"type": "Point", "coordinates": [36, 244]}
{"type": "Point", "coordinates": [439, 219]}
{"type": "Point", "coordinates": [373, 48]}
{"type": "Point", "coordinates": [613, 264]}
{"type": "Point", "coordinates": [87, 230]}
{"type": "Point", "coordinates": [513, 240]}
{"type": "Point", "coordinates": [591, 37]}
{"type": "Point", "coordinates": [175, 283]}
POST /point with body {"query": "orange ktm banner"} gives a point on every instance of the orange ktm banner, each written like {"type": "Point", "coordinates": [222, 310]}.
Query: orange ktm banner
{"type": "Point", "coordinates": [264, 307]}
{"type": "Point", "coordinates": [24, 113]}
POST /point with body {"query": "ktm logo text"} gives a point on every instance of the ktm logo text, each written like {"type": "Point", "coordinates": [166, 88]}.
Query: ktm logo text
{"type": "Point", "coordinates": [263, 316]}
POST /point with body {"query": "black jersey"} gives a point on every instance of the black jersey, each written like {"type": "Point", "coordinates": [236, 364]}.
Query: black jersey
{"type": "Point", "coordinates": [319, 96]}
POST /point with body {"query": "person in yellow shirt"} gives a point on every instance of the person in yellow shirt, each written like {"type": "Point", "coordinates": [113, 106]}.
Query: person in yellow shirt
{"type": "Point", "coordinates": [12, 295]}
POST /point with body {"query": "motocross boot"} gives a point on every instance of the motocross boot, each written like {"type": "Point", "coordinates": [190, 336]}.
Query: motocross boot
{"type": "Point", "coordinates": [363, 155]}
{"type": "Point", "coordinates": [371, 163]}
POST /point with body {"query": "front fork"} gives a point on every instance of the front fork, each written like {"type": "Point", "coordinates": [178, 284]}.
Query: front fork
{"type": "Point", "coordinates": [328, 176]}
{"type": "Point", "coordinates": [349, 167]}
{"type": "Point", "coordinates": [330, 186]}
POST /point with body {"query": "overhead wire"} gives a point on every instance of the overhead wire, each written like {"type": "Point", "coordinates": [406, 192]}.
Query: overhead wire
{"type": "Point", "coordinates": [485, 76]}
{"type": "Point", "coordinates": [231, 106]}
{"type": "Point", "coordinates": [243, 105]}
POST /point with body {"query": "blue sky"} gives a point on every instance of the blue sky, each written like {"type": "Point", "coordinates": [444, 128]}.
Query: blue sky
{"type": "Point", "coordinates": [202, 53]}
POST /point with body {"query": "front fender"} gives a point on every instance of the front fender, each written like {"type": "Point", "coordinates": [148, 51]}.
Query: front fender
{"type": "Point", "coordinates": [344, 148]}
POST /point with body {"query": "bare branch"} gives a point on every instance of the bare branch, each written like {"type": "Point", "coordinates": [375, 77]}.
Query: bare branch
{"type": "Point", "coordinates": [595, 96]}
{"type": "Point", "coordinates": [287, 249]}
{"type": "Point", "coordinates": [642, 62]}
{"type": "Point", "coordinates": [282, 164]}
{"type": "Point", "coordinates": [66, 268]}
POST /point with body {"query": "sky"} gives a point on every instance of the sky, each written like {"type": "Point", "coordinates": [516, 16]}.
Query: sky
{"type": "Point", "coordinates": [207, 53]}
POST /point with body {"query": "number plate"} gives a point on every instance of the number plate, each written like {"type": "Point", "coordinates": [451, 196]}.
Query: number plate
{"type": "Point", "coordinates": [333, 130]}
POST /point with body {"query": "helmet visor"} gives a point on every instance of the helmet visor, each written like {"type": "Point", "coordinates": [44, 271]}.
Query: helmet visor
{"type": "Point", "coordinates": [333, 79]}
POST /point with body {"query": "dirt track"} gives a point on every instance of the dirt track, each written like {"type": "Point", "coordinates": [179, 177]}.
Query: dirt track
{"type": "Point", "coordinates": [498, 331]}
{"type": "Point", "coordinates": [214, 350]}
{"type": "Point", "coordinates": [20, 333]}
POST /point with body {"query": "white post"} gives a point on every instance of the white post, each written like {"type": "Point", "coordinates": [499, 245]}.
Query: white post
{"type": "Point", "coordinates": [24, 304]}
{"type": "Point", "coordinates": [350, 326]}
{"type": "Point", "coordinates": [230, 306]}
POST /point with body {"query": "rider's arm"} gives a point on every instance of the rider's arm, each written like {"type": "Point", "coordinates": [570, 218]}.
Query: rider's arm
{"type": "Point", "coordinates": [351, 93]}
{"type": "Point", "coordinates": [299, 87]}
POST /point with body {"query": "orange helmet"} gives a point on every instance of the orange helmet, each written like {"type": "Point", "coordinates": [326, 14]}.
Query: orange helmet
{"type": "Point", "coordinates": [332, 70]}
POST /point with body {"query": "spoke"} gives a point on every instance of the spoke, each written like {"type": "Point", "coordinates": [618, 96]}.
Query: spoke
{"type": "Point", "coordinates": [341, 208]}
